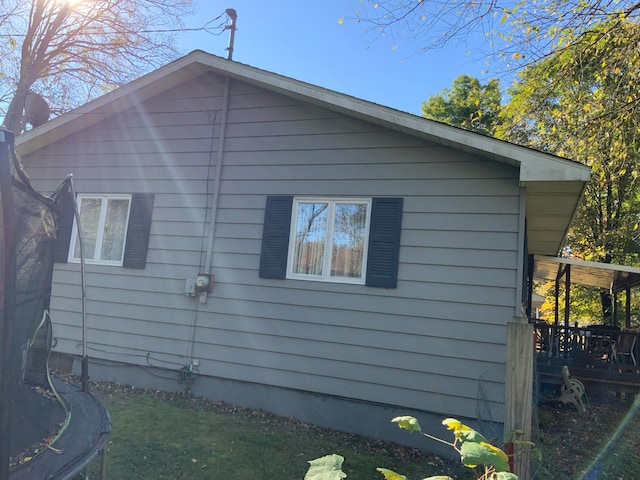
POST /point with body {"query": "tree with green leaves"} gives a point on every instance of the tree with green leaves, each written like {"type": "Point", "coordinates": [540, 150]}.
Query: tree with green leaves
{"type": "Point", "coordinates": [69, 51]}
{"type": "Point", "coordinates": [467, 104]}
{"type": "Point", "coordinates": [582, 103]}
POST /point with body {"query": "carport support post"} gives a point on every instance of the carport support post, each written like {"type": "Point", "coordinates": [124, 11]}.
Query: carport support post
{"type": "Point", "coordinates": [519, 393]}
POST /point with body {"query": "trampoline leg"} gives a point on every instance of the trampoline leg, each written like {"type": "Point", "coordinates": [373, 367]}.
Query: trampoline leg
{"type": "Point", "coordinates": [103, 463]}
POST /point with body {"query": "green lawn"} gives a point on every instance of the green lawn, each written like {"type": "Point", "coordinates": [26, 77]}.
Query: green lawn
{"type": "Point", "coordinates": [162, 436]}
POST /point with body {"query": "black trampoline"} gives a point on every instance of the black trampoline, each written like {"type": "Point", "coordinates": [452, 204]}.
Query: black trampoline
{"type": "Point", "coordinates": [49, 428]}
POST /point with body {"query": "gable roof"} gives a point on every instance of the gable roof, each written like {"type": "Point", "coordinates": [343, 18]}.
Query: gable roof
{"type": "Point", "coordinates": [553, 185]}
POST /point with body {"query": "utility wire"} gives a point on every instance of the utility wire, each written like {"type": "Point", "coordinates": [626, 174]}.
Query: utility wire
{"type": "Point", "coordinates": [204, 28]}
{"type": "Point", "coordinates": [211, 30]}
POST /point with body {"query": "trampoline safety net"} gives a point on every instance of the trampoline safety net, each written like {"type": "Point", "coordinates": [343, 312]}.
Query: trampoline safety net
{"type": "Point", "coordinates": [27, 245]}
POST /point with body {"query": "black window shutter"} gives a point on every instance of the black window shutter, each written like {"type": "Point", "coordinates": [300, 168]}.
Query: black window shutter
{"type": "Point", "coordinates": [275, 237]}
{"type": "Point", "coordinates": [65, 226]}
{"type": "Point", "coordinates": [384, 242]}
{"type": "Point", "coordinates": [135, 251]}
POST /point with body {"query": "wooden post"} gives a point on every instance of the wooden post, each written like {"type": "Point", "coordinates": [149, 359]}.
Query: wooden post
{"type": "Point", "coordinates": [627, 307]}
{"type": "Point", "coordinates": [519, 392]}
{"type": "Point", "coordinates": [567, 309]}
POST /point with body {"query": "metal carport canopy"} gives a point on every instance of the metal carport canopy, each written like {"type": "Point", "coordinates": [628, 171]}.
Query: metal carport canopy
{"type": "Point", "coordinates": [594, 274]}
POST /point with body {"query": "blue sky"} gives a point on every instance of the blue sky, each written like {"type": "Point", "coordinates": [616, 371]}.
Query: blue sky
{"type": "Point", "coordinates": [304, 40]}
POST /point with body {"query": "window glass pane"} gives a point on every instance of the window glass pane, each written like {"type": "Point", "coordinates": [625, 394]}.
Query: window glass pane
{"type": "Point", "coordinates": [89, 221]}
{"type": "Point", "coordinates": [348, 240]}
{"type": "Point", "coordinates": [114, 229]}
{"type": "Point", "coordinates": [311, 233]}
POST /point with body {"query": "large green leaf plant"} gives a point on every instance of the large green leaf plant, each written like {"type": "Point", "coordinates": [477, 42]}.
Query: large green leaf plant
{"type": "Point", "coordinates": [476, 452]}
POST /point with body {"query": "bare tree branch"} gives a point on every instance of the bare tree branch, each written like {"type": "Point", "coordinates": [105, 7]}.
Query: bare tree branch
{"type": "Point", "coordinates": [71, 52]}
{"type": "Point", "coordinates": [517, 33]}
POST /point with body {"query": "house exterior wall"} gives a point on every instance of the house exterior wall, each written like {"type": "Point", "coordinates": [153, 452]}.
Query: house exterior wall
{"type": "Point", "coordinates": [421, 346]}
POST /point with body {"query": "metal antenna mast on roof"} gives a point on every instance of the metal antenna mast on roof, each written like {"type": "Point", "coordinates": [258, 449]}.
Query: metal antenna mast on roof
{"type": "Point", "coordinates": [233, 16]}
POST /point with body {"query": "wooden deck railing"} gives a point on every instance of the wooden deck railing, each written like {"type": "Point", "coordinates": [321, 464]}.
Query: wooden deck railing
{"type": "Point", "coordinates": [594, 346]}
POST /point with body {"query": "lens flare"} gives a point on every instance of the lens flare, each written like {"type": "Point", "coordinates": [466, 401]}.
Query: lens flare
{"type": "Point", "coordinates": [594, 470]}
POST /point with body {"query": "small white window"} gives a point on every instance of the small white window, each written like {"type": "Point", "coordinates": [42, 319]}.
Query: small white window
{"type": "Point", "coordinates": [104, 220]}
{"type": "Point", "coordinates": [329, 239]}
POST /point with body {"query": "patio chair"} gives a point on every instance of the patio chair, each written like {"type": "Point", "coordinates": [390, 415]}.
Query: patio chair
{"type": "Point", "coordinates": [624, 348]}
{"type": "Point", "coordinates": [572, 391]}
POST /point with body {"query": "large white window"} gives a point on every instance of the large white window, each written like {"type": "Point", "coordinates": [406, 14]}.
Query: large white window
{"type": "Point", "coordinates": [329, 239]}
{"type": "Point", "coordinates": [104, 220]}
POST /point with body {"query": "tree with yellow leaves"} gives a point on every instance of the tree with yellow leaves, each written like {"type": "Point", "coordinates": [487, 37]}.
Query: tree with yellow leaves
{"type": "Point", "coordinates": [583, 103]}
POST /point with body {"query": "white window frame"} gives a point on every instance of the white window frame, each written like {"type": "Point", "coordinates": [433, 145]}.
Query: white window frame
{"type": "Point", "coordinates": [326, 276]}
{"type": "Point", "coordinates": [101, 226]}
